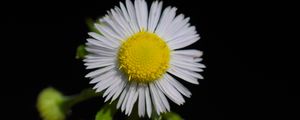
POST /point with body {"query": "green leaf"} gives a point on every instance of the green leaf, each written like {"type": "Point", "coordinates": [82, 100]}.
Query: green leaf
{"type": "Point", "coordinates": [171, 116]}
{"type": "Point", "coordinates": [106, 112]}
{"type": "Point", "coordinates": [81, 52]}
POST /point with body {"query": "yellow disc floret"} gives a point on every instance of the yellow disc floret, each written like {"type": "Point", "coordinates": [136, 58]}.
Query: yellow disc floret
{"type": "Point", "coordinates": [144, 57]}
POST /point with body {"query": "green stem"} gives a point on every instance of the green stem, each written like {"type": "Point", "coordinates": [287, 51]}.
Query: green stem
{"type": "Point", "coordinates": [82, 96]}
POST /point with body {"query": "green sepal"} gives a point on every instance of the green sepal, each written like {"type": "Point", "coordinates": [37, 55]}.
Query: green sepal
{"type": "Point", "coordinates": [91, 25]}
{"type": "Point", "coordinates": [81, 52]}
{"type": "Point", "coordinates": [106, 112]}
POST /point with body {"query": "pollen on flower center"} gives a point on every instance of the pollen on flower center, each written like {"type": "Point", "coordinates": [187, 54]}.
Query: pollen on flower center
{"type": "Point", "coordinates": [144, 57]}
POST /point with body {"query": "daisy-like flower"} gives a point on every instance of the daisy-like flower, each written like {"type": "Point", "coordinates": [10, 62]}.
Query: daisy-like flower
{"type": "Point", "coordinates": [137, 55]}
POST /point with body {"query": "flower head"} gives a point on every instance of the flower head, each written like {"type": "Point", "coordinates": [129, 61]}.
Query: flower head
{"type": "Point", "coordinates": [50, 103]}
{"type": "Point", "coordinates": [138, 53]}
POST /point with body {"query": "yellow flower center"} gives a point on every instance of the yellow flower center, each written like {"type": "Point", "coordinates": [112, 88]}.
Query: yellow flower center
{"type": "Point", "coordinates": [144, 57]}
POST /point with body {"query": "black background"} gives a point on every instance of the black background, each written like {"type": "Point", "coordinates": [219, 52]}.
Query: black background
{"type": "Point", "coordinates": [41, 40]}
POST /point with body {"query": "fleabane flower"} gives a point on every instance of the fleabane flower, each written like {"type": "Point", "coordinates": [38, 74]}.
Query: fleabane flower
{"type": "Point", "coordinates": [138, 54]}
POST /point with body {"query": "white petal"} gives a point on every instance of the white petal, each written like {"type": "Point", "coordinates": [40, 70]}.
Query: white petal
{"type": "Point", "coordinates": [132, 98]}
{"type": "Point", "coordinates": [119, 90]}
{"type": "Point", "coordinates": [99, 64]}
{"type": "Point", "coordinates": [141, 13]}
{"type": "Point", "coordinates": [126, 21]}
{"type": "Point", "coordinates": [173, 27]}
{"type": "Point", "coordinates": [133, 102]}
{"type": "Point", "coordinates": [95, 57]}
{"type": "Point", "coordinates": [185, 31]}
{"type": "Point", "coordinates": [98, 43]}
{"type": "Point", "coordinates": [183, 90]}
{"type": "Point", "coordinates": [165, 22]}
{"type": "Point", "coordinates": [114, 24]}
{"type": "Point", "coordinates": [183, 41]}
{"type": "Point", "coordinates": [103, 39]}
{"type": "Point", "coordinates": [131, 12]}
{"type": "Point", "coordinates": [187, 72]}
{"type": "Point", "coordinates": [108, 33]}
{"type": "Point", "coordinates": [110, 91]}
{"type": "Point", "coordinates": [196, 69]}
{"type": "Point", "coordinates": [144, 11]}
{"type": "Point", "coordinates": [124, 11]}
{"type": "Point", "coordinates": [154, 15]}
{"type": "Point", "coordinates": [105, 48]}
{"type": "Point", "coordinates": [103, 76]}
{"type": "Point", "coordinates": [156, 99]}
{"type": "Point", "coordinates": [190, 64]}
{"type": "Point", "coordinates": [105, 83]}
{"type": "Point", "coordinates": [104, 60]}
{"type": "Point", "coordinates": [123, 107]}
{"type": "Point", "coordinates": [183, 76]}
{"type": "Point", "coordinates": [122, 97]}
{"type": "Point", "coordinates": [148, 102]}
{"type": "Point", "coordinates": [180, 26]}
{"type": "Point", "coordinates": [144, 15]}
{"type": "Point", "coordinates": [141, 102]}
{"type": "Point", "coordinates": [100, 59]}
{"type": "Point", "coordinates": [137, 13]}
{"type": "Point", "coordinates": [185, 58]}
{"type": "Point", "coordinates": [163, 98]}
{"type": "Point", "coordinates": [100, 71]}
{"type": "Point", "coordinates": [192, 53]}
{"type": "Point", "coordinates": [170, 91]}
{"type": "Point", "coordinates": [198, 59]}
{"type": "Point", "coordinates": [100, 52]}
{"type": "Point", "coordinates": [119, 17]}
